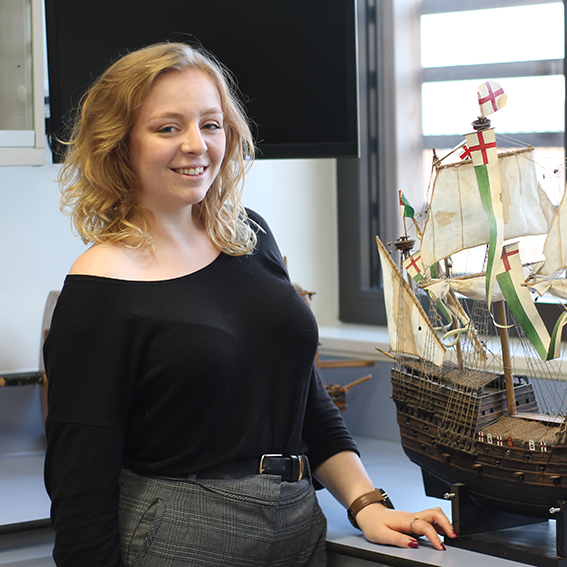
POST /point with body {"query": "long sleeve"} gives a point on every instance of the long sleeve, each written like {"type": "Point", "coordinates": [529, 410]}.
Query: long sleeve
{"type": "Point", "coordinates": [324, 429]}
{"type": "Point", "coordinates": [81, 472]}
{"type": "Point", "coordinates": [89, 394]}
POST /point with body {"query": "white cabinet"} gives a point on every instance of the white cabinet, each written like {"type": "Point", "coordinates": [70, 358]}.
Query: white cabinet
{"type": "Point", "coordinates": [22, 111]}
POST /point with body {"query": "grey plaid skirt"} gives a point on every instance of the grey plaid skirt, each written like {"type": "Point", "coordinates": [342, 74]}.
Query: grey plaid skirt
{"type": "Point", "coordinates": [256, 521]}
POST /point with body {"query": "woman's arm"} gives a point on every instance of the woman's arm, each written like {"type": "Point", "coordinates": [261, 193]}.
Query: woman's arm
{"type": "Point", "coordinates": [346, 479]}
{"type": "Point", "coordinates": [88, 361]}
{"type": "Point", "coordinates": [81, 476]}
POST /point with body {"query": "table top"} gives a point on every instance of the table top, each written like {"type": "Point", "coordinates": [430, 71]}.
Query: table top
{"type": "Point", "coordinates": [22, 492]}
{"type": "Point", "coordinates": [390, 469]}
{"type": "Point", "coordinates": [24, 501]}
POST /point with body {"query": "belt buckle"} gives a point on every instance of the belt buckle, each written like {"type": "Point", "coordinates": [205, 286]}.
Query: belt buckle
{"type": "Point", "coordinates": [299, 467]}
{"type": "Point", "coordinates": [302, 462]}
{"type": "Point", "coordinates": [267, 456]}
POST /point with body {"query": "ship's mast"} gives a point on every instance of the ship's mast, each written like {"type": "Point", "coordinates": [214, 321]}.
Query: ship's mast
{"type": "Point", "coordinates": [506, 357]}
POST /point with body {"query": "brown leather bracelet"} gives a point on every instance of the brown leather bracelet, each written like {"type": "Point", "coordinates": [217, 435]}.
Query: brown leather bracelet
{"type": "Point", "coordinates": [377, 495]}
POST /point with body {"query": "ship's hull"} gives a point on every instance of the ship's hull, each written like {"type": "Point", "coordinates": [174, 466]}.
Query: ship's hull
{"type": "Point", "coordinates": [521, 477]}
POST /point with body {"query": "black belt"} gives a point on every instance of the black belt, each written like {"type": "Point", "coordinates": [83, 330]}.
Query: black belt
{"type": "Point", "coordinates": [291, 468]}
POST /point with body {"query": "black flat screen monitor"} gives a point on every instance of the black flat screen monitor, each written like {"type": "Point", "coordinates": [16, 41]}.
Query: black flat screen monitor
{"type": "Point", "coordinates": [295, 61]}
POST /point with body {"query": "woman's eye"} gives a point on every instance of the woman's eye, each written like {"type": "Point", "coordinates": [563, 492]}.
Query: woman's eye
{"type": "Point", "coordinates": [166, 129]}
{"type": "Point", "coordinates": [212, 126]}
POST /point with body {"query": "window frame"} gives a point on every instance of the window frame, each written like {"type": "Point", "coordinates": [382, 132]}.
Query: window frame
{"type": "Point", "coordinates": [359, 181]}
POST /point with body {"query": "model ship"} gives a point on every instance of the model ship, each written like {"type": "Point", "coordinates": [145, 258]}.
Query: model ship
{"type": "Point", "coordinates": [479, 394]}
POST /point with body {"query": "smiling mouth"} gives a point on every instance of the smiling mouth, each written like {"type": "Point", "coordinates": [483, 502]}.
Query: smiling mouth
{"type": "Point", "coordinates": [190, 170]}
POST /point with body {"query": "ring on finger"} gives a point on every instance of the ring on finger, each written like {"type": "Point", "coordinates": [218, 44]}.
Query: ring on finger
{"type": "Point", "coordinates": [411, 524]}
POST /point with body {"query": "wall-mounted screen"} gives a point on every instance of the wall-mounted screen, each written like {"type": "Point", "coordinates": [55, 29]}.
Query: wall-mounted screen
{"type": "Point", "coordinates": [295, 61]}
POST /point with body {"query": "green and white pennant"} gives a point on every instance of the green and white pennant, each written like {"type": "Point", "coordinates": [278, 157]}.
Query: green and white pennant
{"type": "Point", "coordinates": [482, 148]}
{"type": "Point", "coordinates": [520, 302]}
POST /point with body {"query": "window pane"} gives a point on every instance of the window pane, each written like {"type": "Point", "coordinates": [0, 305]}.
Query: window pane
{"type": "Point", "coordinates": [535, 104]}
{"type": "Point", "coordinates": [16, 106]}
{"type": "Point", "coordinates": [520, 33]}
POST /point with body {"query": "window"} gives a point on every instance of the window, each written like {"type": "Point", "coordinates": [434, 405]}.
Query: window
{"type": "Point", "coordinates": [22, 115]}
{"type": "Point", "coordinates": [420, 64]}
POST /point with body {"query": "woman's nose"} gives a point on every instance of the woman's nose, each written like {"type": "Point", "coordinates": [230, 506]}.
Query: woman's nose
{"type": "Point", "coordinates": [193, 142]}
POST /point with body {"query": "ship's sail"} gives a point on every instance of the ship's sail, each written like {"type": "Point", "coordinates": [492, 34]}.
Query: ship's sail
{"type": "Point", "coordinates": [473, 287]}
{"type": "Point", "coordinates": [547, 279]}
{"type": "Point", "coordinates": [555, 287]}
{"type": "Point", "coordinates": [414, 334]}
{"type": "Point", "coordinates": [555, 247]}
{"type": "Point", "coordinates": [457, 219]}
{"type": "Point", "coordinates": [442, 291]}
{"type": "Point", "coordinates": [488, 199]}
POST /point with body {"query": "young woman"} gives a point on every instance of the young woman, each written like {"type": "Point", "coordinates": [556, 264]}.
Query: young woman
{"type": "Point", "coordinates": [187, 423]}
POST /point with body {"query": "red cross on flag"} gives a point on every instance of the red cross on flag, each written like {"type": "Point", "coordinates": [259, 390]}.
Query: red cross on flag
{"type": "Point", "coordinates": [508, 251]}
{"type": "Point", "coordinates": [414, 267]}
{"type": "Point", "coordinates": [465, 152]}
{"type": "Point", "coordinates": [491, 97]}
{"type": "Point", "coordinates": [482, 147]}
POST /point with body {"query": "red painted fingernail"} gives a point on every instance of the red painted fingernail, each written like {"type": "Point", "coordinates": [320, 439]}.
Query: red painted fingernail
{"type": "Point", "coordinates": [443, 547]}
{"type": "Point", "coordinates": [455, 533]}
{"type": "Point", "coordinates": [413, 544]}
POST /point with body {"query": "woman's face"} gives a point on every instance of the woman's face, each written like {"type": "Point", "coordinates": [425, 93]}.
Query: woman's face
{"type": "Point", "coordinates": [178, 141]}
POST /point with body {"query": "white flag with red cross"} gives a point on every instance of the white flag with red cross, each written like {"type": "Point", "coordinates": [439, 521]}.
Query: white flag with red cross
{"type": "Point", "coordinates": [491, 97]}
{"type": "Point", "coordinates": [414, 267]}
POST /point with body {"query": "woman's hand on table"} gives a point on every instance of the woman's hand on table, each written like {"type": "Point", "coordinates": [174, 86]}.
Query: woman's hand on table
{"type": "Point", "coordinates": [395, 527]}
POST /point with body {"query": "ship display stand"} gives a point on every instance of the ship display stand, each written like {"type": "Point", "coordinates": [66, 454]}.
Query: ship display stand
{"type": "Point", "coordinates": [494, 532]}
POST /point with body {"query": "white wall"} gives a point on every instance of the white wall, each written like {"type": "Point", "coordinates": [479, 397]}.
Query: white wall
{"type": "Point", "coordinates": [36, 250]}
{"type": "Point", "coordinates": [298, 199]}
{"type": "Point", "coordinates": [37, 246]}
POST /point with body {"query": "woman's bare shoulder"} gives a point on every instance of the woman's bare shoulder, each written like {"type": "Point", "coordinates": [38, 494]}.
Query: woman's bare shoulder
{"type": "Point", "coordinates": [104, 260]}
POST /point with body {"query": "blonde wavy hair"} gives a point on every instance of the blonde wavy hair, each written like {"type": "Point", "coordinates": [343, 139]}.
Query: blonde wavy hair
{"type": "Point", "coordinates": [97, 180]}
